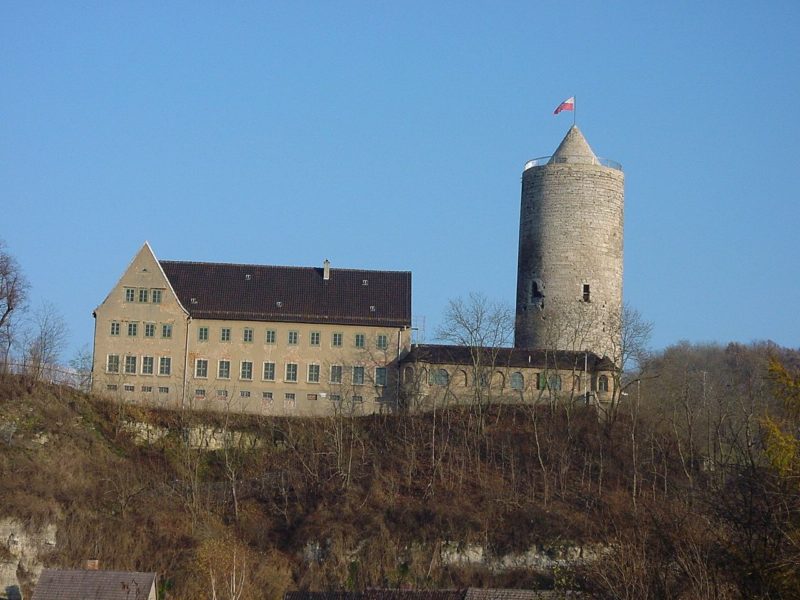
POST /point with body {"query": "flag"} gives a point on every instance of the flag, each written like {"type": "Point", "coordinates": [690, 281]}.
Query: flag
{"type": "Point", "coordinates": [568, 104]}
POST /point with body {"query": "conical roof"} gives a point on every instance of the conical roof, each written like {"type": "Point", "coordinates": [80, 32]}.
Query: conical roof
{"type": "Point", "coordinates": [573, 148]}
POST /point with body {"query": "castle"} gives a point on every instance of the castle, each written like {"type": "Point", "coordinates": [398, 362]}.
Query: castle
{"type": "Point", "coordinates": [318, 341]}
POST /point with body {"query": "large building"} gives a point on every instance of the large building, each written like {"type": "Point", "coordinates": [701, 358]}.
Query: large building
{"type": "Point", "coordinates": [316, 341]}
{"type": "Point", "coordinates": [252, 338]}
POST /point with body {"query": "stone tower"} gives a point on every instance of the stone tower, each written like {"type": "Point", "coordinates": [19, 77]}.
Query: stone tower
{"type": "Point", "coordinates": [569, 271]}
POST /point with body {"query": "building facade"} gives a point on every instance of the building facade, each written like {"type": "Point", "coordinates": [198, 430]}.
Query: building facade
{"type": "Point", "coordinates": [569, 269]}
{"type": "Point", "coordinates": [252, 338]}
{"type": "Point", "coordinates": [441, 375]}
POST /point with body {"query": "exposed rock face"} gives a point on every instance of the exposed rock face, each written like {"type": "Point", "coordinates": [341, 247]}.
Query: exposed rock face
{"type": "Point", "coordinates": [21, 549]}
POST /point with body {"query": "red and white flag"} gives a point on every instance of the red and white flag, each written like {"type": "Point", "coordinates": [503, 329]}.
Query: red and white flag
{"type": "Point", "coordinates": [568, 104]}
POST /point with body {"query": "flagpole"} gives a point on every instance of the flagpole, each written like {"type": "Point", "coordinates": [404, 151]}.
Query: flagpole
{"type": "Point", "coordinates": [574, 110]}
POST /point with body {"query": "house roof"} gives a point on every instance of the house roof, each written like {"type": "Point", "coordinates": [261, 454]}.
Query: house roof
{"type": "Point", "coordinates": [57, 584]}
{"type": "Point", "coordinates": [507, 357]}
{"type": "Point", "coordinates": [295, 294]}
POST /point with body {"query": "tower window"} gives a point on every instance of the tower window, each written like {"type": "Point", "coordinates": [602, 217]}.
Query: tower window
{"type": "Point", "coordinates": [586, 295]}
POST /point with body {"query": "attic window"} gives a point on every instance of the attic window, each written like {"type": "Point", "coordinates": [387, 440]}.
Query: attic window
{"type": "Point", "coordinates": [194, 300]}
{"type": "Point", "coordinates": [247, 277]}
{"type": "Point", "coordinates": [372, 308]}
{"type": "Point", "coordinates": [279, 304]}
{"type": "Point", "coordinates": [586, 294]}
{"type": "Point", "coordinates": [364, 282]}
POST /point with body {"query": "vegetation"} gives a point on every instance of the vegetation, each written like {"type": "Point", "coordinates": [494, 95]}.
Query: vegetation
{"type": "Point", "coordinates": [692, 490]}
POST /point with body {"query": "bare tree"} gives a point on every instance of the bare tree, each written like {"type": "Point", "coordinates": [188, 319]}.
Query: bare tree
{"type": "Point", "coordinates": [13, 297]}
{"type": "Point", "coordinates": [45, 341]}
{"type": "Point", "coordinates": [484, 326]}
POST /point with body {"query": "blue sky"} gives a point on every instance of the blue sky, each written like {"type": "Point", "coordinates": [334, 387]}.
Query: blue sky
{"type": "Point", "coordinates": [392, 136]}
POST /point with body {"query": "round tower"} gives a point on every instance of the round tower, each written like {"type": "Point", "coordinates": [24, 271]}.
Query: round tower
{"type": "Point", "coordinates": [569, 272]}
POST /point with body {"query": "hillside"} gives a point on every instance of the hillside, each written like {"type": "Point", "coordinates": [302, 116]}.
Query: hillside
{"type": "Point", "coordinates": [434, 500]}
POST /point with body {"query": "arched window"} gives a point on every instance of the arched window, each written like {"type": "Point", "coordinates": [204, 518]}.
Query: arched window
{"type": "Point", "coordinates": [440, 377]}
{"type": "Point", "coordinates": [576, 383]}
{"type": "Point", "coordinates": [462, 378]}
{"type": "Point", "coordinates": [602, 383]}
{"type": "Point", "coordinates": [498, 380]}
{"type": "Point", "coordinates": [517, 381]}
{"type": "Point", "coordinates": [408, 375]}
{"type": "Point", "coordinates": [555, 382]}
{"type": "Point", "coordinates": [541, 381]}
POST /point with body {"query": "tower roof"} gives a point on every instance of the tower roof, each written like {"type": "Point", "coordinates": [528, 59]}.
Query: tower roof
{"type": "Point", "coordinates": [573, 148]}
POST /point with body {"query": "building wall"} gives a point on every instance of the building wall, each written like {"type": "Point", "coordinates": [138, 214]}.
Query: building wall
{"type": "Point", "coordinates": [425, 386]}
{"type": "Point", "coordinates": [571, 224]}
{"type": "Point", "coordinates": [143, 274]}
{"type": "Point", "coordinates": [186, 385]}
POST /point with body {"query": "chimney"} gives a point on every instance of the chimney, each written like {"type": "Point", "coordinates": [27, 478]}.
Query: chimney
{"type": "Point", "coordinates": [326, 270]}
{"type": "Point", "coordinates": [92, 564]}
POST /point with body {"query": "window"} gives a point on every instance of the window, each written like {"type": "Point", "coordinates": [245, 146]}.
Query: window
{"type": "Point", "coordinates": [266, 397]}
{"type": "Point", "coordinates": [132, 329]}
{"type": "Point", "coordinates": [293, 338]}
{"type": "Point", "coordinates": [555, 382]}
{"type": "Point", "coordinates": [358, 375]}
{"type": "Point", "coordinates": [358, 399]}
{"type": "Point", "coordinates": [269, 371]}
{"type": "Point", "coordinates": [166, 330]}
{"type": "Point", "coordinates": [112, 387]}
{"type": "Point", "coordinates": [202, 334]}
{"type": "Point", "coordinates": [244, 393]}
{"type": "Point", "coordinates": [147, 365]}
{"type": "Point", "coordinates": [335, 398]}
{"type": "Point", "coordinates": [130, 294]}
{"type": "Point", "coordinates": [315, 338]}
{"type": "Point", "coordinates": [336, 340]}
{"type": "Point", "coordinates": [517, 381]}
{"type": "Point", "coordinates": [128, 387]}
{"type": "Point", "coordinates": [225, 334]}
{"type": "Point", "coordinates": [147, 389]}
{"type": "Point", "coordinates": [156, 296]}
{"type": "Point", "coordinates": [586, 292]}
{"type": "Point", "coordinates": [114, 328]}
{"type": "Point", "coordinates": [112, 365]}
{"type": "Point", "coordinates": [541, 381]}
{"type": "Point", "coordinates": [602, 383]}
{"type": "Point", "coordinates": [246, 370]}
{"type": "Point", "coordinates": [311, 397]}
{"type": "Point", "coordinates": [359, 340]}
{"type": "Point", "coordinates": [289, 400]}
{"type": "Point", "coordinates": [222, 393]}
{"type": "Point", "coordinates": [291, 371]}
{"type": "Point", "coordinates": [313, 373]}
{"type": "Point", "coordinates": [150, 330]}
{"type": "Point", "coordinates": [130, 365]}
{"type": "Point", "coordinates": [440, 377]}
{"type": "Point", "coordinates": [336, 373]}
{"type": "Point", "coordinates": [224, 369]}
{"type": "Point", "coordinates": [382, 342]}
{"type": "Point", "coordinates": [200, 393]}
{"type": "Point", "coordinates": [201, 368]}
{"type": "Point", "coordinates": [270, 339]}
{"type": "Point", "coordinates": [380, 376]}
{"type": "Point", "coordinates": [163, 390]}
{"type": "Point", "coordinates": [142, 295]}
{"type": "Point", "coordinates": [164, 365]}
{"type": "Point", "coordinates": [248, 334]}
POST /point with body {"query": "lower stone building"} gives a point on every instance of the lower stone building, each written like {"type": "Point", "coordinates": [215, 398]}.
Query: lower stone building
{"type": "Point", "coordinates": [442, 375]}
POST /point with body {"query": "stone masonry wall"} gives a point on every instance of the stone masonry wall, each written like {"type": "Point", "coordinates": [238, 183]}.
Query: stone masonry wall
{"type": "Point", "coordinates": [571, 230]}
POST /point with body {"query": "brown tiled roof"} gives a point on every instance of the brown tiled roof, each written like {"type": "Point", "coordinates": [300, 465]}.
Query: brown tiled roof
{"type": "Point", "coordinates": [57, 584]}
{"type": "Point", "coordinates": [295, 294]}
{"type": "Point", "coordinates": [507, 357]}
